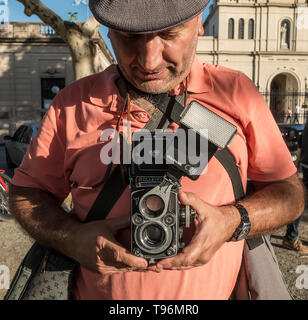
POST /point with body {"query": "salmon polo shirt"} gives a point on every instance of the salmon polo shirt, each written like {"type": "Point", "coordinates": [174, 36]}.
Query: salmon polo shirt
{"type": "Point", "coordinates": [65, 157]}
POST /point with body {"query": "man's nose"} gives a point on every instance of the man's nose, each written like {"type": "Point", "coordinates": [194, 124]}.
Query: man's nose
{"type": "Point", "coordinates": [150, 53]}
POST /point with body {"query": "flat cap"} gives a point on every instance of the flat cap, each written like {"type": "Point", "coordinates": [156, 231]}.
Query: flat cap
{"type": "Point", "coordinates": [145, 16]}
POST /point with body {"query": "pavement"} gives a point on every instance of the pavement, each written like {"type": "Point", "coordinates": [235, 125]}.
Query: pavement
{"type": "Point", "coordinates": [14, 241]}
{"type": "Point", "coordinates": [14, 244]}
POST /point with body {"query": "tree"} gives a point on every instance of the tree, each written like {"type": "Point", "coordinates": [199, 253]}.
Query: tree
{"type": "Point", "coordinates": [89, 51]}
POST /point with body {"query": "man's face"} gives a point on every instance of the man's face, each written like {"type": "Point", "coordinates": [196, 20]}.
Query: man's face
{"type": "Point", "coordinates": [157, 62]}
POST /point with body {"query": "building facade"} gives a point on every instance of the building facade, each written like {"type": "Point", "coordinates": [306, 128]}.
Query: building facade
{"type": "Point", "coordinates": [268, 41]}
{"type": "Point", "coordinates": [35, 64]}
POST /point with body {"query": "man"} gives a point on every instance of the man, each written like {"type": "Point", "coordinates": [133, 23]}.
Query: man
{"type": "Point", "coordinates": [155, 44]}
{"type": "Point", "coordinates": [297, 111]}
{"type": "Point", "coordinates": [289, 116]}
{"type": "Point", "coordinates": [291, 239]}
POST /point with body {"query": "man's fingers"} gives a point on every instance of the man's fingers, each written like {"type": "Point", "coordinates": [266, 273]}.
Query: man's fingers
{"type": "Point", "coordinates": [184, 259]}
{"type": "Point", "coordinates": [131, 260]}
{"type": "Point", "coordinates": [112, 254]}
{"type": "Point", "coordinates": [189, 198]}
{"type": "Point", "coordinates": [172, 263]}
{"type": "Point", "coordinates": [125, 258]}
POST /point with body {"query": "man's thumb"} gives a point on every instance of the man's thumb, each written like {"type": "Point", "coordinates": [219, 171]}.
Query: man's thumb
{"type": "Point", "coordinates": [189, 198]}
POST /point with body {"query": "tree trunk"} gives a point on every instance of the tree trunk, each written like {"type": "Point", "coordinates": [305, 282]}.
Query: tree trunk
{"type": "Point", "coordinates": [88, 49]}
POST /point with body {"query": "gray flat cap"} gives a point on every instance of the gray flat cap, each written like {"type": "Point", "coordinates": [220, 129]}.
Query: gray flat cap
{"type": "Point", "coordinates": [143, 16]}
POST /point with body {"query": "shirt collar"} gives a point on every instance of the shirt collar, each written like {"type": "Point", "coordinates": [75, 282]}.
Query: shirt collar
{"type": "Point", "coordinates": [103, 90]}
{"type": "Point", "coordinates": [199, 80]}
{"type": "Point", "coordinates": [105, 93]}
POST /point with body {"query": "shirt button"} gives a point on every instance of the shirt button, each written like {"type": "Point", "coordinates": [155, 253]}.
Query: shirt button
{"type": "Point", "coordinates": [140, 115]}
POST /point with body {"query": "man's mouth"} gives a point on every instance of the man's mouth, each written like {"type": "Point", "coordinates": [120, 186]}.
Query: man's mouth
{"type": "Point", "coordinates": [148, 76]}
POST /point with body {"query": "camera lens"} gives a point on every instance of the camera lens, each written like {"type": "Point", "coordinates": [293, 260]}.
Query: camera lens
{"type": "Point", "coordinates": [153, 235]}
{"type": "Point", "coordinates": [153, 206]}
{"type": "Point", "coordinates": [154, 203]}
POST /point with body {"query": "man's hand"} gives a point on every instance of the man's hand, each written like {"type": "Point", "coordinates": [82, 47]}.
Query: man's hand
{"type": "Point", "coordinates": [214, 226]}
{"type": "Point", "coordinates": [98, 250]}
{"type": "Point", "coordinates": [92, 244]}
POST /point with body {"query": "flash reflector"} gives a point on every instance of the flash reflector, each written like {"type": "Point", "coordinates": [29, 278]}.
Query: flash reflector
{"type": "Point", "coordinates": [197, 117]}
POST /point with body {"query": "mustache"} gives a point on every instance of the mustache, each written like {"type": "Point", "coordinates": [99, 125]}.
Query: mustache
{"type": "Point", "coordinates": [156, 70]}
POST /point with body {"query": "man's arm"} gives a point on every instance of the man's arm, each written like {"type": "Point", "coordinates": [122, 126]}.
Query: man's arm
{"type": "Point", "coordinates": [272, 205]}
{"type": "Point", "coordinates": [92, 244]}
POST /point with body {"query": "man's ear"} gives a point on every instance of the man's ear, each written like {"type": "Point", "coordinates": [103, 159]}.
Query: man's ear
{"type": "Point", "coordinates": [200, 26]}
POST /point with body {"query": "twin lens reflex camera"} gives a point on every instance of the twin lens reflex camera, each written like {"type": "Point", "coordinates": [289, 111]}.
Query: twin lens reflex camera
{"type": "Point", "coordinates": [159, 161]}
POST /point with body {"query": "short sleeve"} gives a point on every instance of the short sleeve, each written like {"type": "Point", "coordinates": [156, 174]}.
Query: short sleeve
{"type": "Point", "coordinates": [268, 156]}
{"type": "Point", "coordinates": [43, 165]}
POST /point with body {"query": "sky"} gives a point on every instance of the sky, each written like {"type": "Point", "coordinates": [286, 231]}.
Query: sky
{"type": "Point", "coordinates": [61, 7]}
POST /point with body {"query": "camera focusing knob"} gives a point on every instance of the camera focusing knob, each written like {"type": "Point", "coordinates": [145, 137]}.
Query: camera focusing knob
{"type": "Point", "coordinates": [187, 215]}
{"type": "Point", "coordinates": [192, 215]}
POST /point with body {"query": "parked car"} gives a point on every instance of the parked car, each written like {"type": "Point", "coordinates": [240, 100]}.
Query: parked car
{"type": "Point", "coordinates": [17, 145]}
{"type": "Point", "coordinates": [292, 135]}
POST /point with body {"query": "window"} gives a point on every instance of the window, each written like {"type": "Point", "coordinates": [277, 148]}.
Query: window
{"type": "Point", "coordinates": [241, 29]}
{"type": "Point", "coordinates": [251, 29]}
{"type": "Point", "coordinates": [231, 29]}
{"type": "Point", "coordinates": [49, 88]}
{"type": "Point", "coordinates": [4, 112]}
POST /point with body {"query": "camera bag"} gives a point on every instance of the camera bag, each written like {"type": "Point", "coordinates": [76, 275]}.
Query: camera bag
{"type": "Point", "coordinates": [260, 277]}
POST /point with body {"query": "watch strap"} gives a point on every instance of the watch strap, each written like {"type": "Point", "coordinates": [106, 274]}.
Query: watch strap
{"type": "Point", "coordinates": [244, 227]}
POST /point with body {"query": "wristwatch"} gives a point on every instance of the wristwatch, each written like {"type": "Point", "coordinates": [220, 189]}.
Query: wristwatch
{"type": "Point", "coordinates": [243, 229]}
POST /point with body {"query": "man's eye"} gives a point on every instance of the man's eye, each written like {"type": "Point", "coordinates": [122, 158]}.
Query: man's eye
{"type": "Point", "coordinates": [168, 35]}
{"type": "Point", "coordinates": [130, 36]}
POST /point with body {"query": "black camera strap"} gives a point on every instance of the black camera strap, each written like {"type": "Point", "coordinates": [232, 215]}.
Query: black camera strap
{"type": "Point", "coordinates": [115, 185]}
{"type": "Point", "coordinates": [227, 161]}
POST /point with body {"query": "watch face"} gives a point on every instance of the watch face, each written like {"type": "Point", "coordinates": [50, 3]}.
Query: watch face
{"type": "Point", "coordinates": [242, 235]}
{"type": "Point", "coordinates": [243, 229]}
{"type": "Point", "coordinates": [244, 232]}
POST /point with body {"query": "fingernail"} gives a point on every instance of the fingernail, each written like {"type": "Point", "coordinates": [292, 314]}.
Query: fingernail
{"type": "Point", "coordinates": [159, 267]}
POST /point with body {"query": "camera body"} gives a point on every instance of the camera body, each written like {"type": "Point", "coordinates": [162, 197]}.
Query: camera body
{"type": "Point", "coordinates": [157, 217]}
